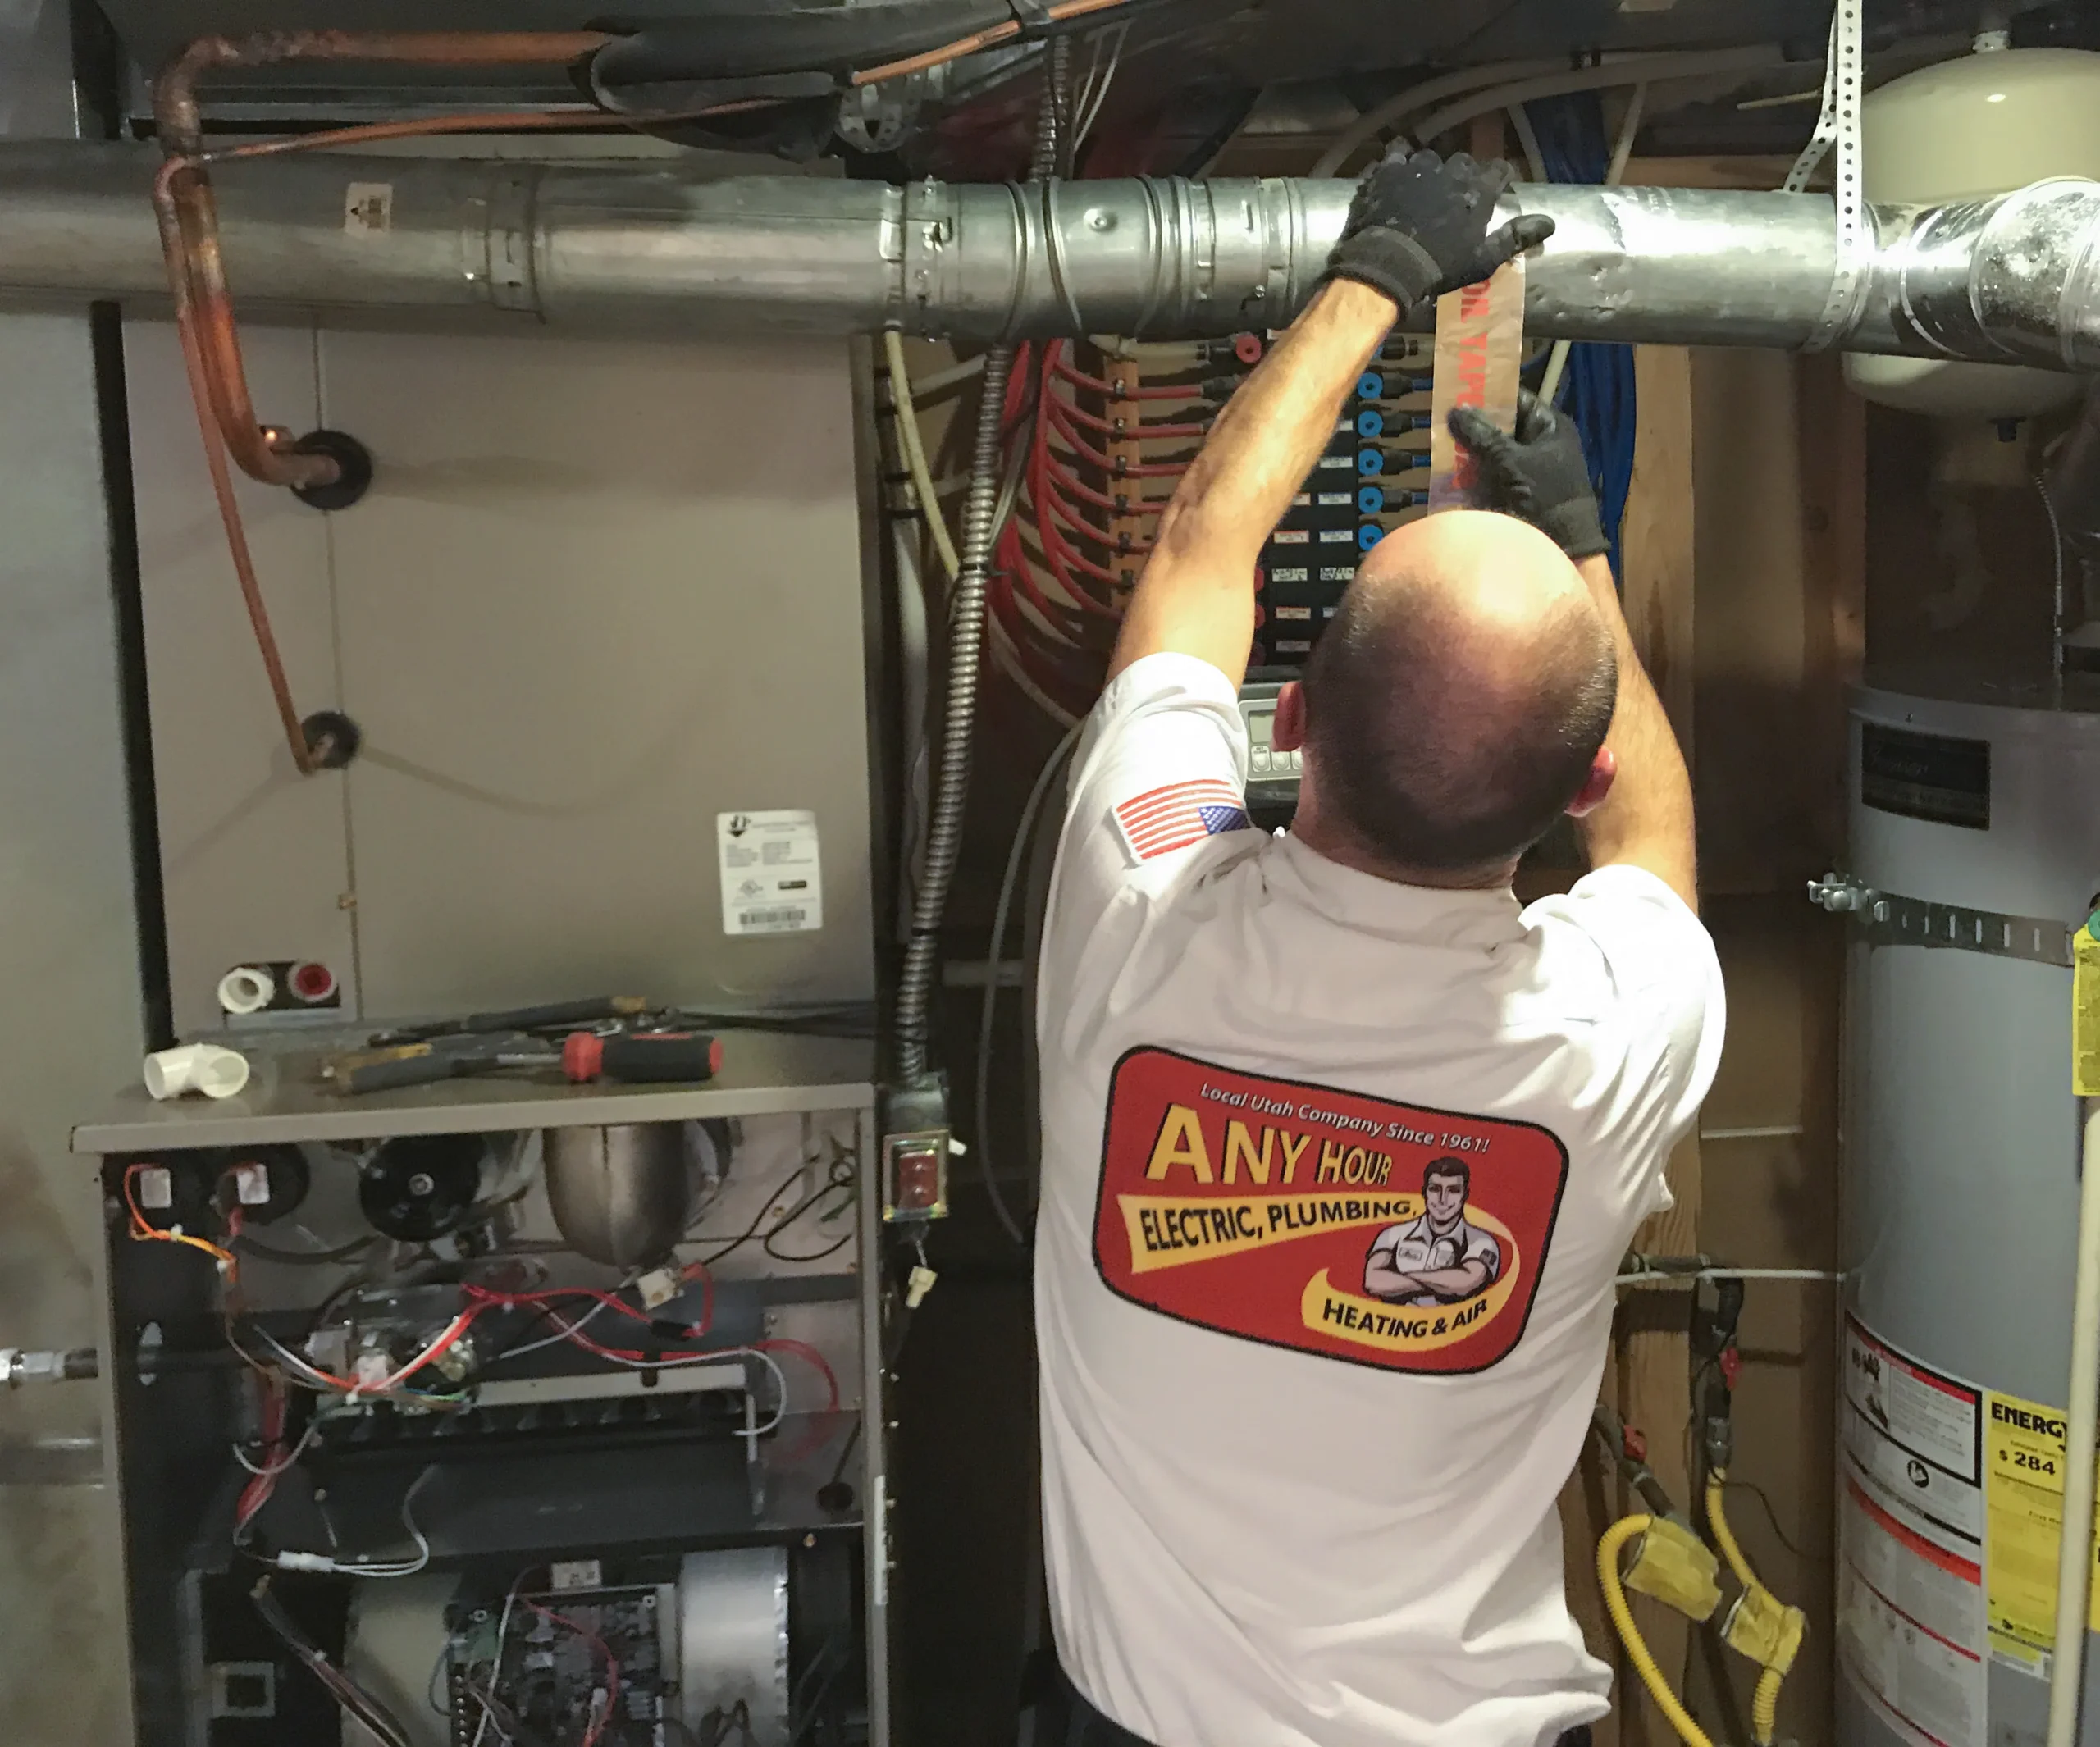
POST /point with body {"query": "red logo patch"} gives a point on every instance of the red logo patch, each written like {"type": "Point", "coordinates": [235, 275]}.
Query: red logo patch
{"type": "Point", "coordinates": [1384, 1233]}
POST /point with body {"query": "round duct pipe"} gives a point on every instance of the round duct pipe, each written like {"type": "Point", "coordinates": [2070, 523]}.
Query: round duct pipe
{"type": "Point", "coordinates": [672, 248]}
{"type": "Point", "coordinates": [1965, 130]}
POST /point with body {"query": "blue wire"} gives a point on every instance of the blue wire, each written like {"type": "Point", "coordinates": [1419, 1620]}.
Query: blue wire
{"type": "Point", "coordinates": [1597, 390]}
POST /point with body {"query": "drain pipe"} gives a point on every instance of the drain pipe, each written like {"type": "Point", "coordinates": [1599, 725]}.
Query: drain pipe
{"type": "Point", "coordinates": [966, 635]}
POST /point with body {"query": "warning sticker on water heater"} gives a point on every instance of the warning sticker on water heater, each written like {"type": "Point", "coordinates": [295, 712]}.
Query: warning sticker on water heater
{"type": "Point", "coordinates": [772, 879]}
{"type": "Point", "coordinates": [1911, 1625]}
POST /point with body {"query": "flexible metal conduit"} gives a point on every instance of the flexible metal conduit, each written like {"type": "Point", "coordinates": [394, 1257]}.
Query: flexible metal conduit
{"type": "Point", "coordinates": [640, 247]}
{"type": "Point", "coordinates": [965, 637]}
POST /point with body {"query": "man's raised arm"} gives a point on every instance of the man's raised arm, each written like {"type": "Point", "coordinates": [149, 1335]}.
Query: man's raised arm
{"type": "Point", "coordinates": [1418, 227]}
{"type": "Point", "coordinates": [1538, 474]}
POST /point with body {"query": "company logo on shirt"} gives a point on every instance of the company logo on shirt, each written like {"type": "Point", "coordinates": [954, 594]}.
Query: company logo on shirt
{"type": "Point", "coordinates": [1384, 1233]}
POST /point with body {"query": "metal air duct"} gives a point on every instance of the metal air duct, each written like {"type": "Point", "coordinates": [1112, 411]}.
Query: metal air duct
{"type": "Point", "coordinates": [650, 248]}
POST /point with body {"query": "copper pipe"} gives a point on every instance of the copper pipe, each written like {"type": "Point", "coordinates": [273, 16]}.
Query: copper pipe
{"type": "Point", "coordinates": [188, 218]}
{"type": "Point", "coordinates": [202, 394]}
{"type": "Point", "coordinates": [184, 183]}
{"type": "Point", "coordinates": [189, 238]}
{"type": "Point", "coordinates": [174, 92]}
{"type": "Point", "coordinates": [970, 45]}
{"type": "Point", "coordinates": [523, 120]}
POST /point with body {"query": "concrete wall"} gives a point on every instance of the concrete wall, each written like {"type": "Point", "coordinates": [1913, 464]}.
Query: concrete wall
{"type": "Point", "coordinates": [69, 1029]}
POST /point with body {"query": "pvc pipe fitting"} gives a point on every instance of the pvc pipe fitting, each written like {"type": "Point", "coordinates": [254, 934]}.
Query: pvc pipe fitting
{"type": "Point", "coordinates": [247, 988]}
{"type": "Point", "coordinates": [217, 1072]}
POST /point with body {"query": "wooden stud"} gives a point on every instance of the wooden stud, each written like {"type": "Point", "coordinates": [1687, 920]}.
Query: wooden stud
{"type": "Point", "coordinates": [1648, 1378]}
{"type": "Point", "coordinates": [1833, 485]}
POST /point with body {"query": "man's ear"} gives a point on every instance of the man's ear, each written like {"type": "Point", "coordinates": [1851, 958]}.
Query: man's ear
{"type": "Point", "coordinates": [1603, 768]}
{"type": "Point", "coordinates": [1288, 734]}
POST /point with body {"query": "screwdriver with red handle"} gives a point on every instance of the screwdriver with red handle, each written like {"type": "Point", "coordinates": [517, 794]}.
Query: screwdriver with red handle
{"type": "Point", "coordinates": [640, 1057]}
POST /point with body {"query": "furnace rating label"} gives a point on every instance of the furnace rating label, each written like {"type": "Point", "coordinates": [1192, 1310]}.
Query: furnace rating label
{"type": "Point", "coordinates": [772, 875]}
{"type": "Point", "coordinates": [1384, 1234]}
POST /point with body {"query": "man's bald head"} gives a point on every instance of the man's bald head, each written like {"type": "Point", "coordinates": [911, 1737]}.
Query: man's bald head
{"type": "Point", "coordinates": [1455, 703]}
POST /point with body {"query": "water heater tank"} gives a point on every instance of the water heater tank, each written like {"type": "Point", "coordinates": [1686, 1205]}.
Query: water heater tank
{"type": "Point", "coordinates": [1961, 1193]}
{"type": "Point", "coordinates": [1989, 121]}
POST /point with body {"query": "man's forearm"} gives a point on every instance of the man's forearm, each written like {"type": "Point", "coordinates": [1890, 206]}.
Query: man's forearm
{"type": "Point", "coordinates": [1647, 817]}
{"type": "Point", "coordinates": [1260, 447]}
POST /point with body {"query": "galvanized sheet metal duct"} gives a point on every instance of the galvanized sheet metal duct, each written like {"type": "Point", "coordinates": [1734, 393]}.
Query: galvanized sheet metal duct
{"type": "Point", "coordinates": [639, 247]}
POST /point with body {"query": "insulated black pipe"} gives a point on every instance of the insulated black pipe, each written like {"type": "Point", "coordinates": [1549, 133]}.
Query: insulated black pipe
{"type": "Point", "coordinates": [741, 41]}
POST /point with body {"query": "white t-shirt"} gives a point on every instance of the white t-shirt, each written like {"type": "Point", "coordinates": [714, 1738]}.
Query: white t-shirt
{"type": "Point", "coordinates": [1337, 1175]}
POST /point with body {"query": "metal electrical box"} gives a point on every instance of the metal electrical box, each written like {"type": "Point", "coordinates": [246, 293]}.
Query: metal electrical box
{"type": "Point", "coordinates": [604, 598]}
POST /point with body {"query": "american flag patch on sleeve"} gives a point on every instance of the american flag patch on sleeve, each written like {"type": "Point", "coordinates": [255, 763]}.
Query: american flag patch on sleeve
{"type": "Point", "coordinates": [1162, 820]}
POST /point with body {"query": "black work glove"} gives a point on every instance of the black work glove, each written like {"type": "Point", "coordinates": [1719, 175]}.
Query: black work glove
{"type": "Point", "coordinates": [1538, 474]}
{"type": "Point", "coordinates": [1418, 227]}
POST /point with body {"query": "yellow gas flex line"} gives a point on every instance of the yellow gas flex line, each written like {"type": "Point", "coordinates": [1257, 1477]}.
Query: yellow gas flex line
{"type": "Point", "coordinates": [1765, 1702]}
{"type": "Point", "coordinates": [1670, 1564]}
{"type": "Point", "coordinates": [1615, 1538]}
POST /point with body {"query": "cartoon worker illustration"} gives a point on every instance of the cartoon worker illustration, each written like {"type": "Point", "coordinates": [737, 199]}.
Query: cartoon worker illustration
{"type": "Point", "coordinates": [1441, 1257]}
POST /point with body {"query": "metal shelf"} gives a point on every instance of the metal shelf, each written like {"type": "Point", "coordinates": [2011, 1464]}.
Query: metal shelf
{"type": "Point", "coordinates": [763, 1073]}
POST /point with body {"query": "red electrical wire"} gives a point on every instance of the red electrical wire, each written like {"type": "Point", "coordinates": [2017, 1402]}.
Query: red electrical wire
{"type": "Point", "coordinates": [1013, 560]}
{"type": "Point", "coordinates": [1057, 549]}
{"type": "Point", "coordinates": [1068, 480]}
{"type": "Point", "coordinates": [1059, 553]}
{"type": "Point", "coordinates": [1062, 557]}
{"type": "Point", "coordinates": [612, 1666]}
{"type": "Point", "coordinates": [482, 1294]}
{"type": "Point", "coordinates": [1071, 683]}
{"type": "Point", "coordinates": [1109, 464]}
{"type": "Point", "coordinates": [1116, 391]}
{"type": "Point", "coordinates": [1111, 427]}
{"type": "Point", "coordinates": [256, 1494]}
{"type": "Point", "coordinates": [803, 1350]}
{"type": "Point", "coordinates": [1080, 524]}
{"type": "Point", "coordinates": [1049, 507]}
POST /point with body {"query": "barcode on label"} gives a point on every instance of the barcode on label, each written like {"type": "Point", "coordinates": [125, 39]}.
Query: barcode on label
{"type": "Point", "coordinates": [778, 917]}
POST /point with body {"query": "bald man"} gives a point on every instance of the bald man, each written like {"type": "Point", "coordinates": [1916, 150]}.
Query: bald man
{"type": "Point", "coordinates": [1282, 1506]}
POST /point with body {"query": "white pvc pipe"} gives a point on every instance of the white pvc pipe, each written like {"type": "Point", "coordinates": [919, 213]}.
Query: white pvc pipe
{"type": "Point", "coordinates": [217, 1072]}
{"type": "Point", "coordinates": [2075, 1553]}
{"type": "Point", "coordinates": [1644, 69]}
{"type": "Point", "coordinates": [1405, 103]}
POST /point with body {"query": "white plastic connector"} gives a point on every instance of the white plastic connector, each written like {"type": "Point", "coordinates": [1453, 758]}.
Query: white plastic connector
{"type": "Point", "coordinates": [305, 1562]}
{"type": "Point", "coordinates": [920, 1282]}
{"type": "Point", "coordinates": [251, 1183]}
{"type": "Point", "coordinates": [208, 1068]}
{"type": "Point", "coordinates": [156, 1188]}
{"type": "Point", "coordinates": [658, 1287]}
{"type": "Point", "coordinates": [247, 988]}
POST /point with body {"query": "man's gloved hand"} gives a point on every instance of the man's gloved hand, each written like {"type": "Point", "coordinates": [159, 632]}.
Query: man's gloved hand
{"type": "Point", "coordinates": [1418, 227]}
{"type": "Point", "coordinates": [1537, 473]}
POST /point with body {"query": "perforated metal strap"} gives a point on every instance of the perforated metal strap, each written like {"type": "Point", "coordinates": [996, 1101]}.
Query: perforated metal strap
{"type": "Point", "coordinates": [1888, 918]}
{"type": "Point", "coordinates": [1844, 87]}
